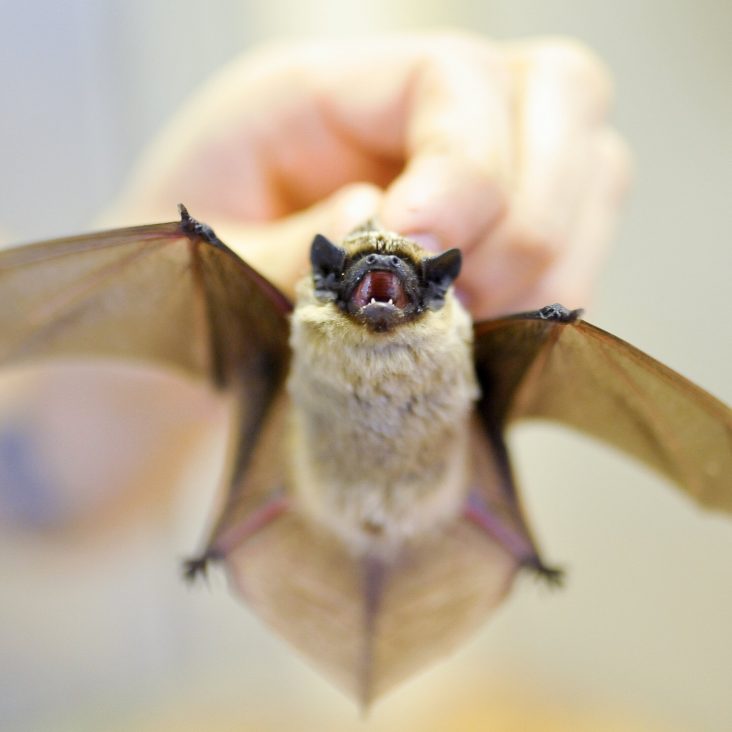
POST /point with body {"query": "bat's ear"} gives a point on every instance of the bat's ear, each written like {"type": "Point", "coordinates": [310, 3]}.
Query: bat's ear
{"type": "Point", "coordinates": [438, 273]}
{"type": "Point", "coordinates": [327, 261]}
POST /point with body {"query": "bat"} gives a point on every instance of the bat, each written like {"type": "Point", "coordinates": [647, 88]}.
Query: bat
{"type": "Point", "coordinates": [370, 515]}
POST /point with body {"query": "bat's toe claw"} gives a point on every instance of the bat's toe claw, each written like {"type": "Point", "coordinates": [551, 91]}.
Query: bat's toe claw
{"type": "Point", "coordinates": [197, 566]}
{"type": "Point", "coordinates": [552, 576]}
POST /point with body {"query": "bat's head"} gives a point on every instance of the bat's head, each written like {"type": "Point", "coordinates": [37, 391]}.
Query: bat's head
{"type": "Point", "coordinates": [380, 279]}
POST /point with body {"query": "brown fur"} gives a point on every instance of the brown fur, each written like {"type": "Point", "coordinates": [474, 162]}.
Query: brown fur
{"type": "Point", "coordinates": [380, 420]}
{"type": "Point", "coordinates": [370, 238]}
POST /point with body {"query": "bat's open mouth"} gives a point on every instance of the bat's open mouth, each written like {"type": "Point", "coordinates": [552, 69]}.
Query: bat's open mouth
{"type": "Point", "coordinates": [380, 288]}
{"type": "Point", "coordinates": [381, 298]}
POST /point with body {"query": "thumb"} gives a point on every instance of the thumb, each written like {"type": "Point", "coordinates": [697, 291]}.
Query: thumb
{"type": "Point", "coordinates": [279, 249]}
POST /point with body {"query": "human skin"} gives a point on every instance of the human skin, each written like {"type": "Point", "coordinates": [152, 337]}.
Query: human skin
{"type": "Point", "coordinates": [501, 149]}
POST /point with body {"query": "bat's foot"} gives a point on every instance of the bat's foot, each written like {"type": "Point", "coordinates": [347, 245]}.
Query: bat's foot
{"type": "Point", "coordinates": [552, 576]}
{"type": "Point", "coordinates": [198, 566]}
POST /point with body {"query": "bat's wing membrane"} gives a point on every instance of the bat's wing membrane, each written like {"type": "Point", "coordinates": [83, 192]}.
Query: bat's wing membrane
{"type": "Point", "coordinates": [550, 364]}
{"type": "Point", "coordinates": [159, 293]}
{"type": "Point", "coordinates": [170, 294]}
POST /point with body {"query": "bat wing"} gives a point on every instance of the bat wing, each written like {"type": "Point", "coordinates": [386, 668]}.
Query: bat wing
{"type": "Point", "coordinates": [370, 625]}
{"type": "Point", "coordinates": [367, 623]}
{"type": "Point", "coordinates": [171, 294]}
{"type": "Point", "coordinates": [551, 364]}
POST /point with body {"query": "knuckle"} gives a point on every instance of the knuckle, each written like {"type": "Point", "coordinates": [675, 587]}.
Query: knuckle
{"type": "Point", "coordinates": [575, 57]}
{"type": "Point", "coordinates": [616, 156]}
{"type": "Point", "coordinates": [579, 65]}
{"type": "Point", "coordinates": [457, 39]}
{"type": "Point", "coordinates": [358, 188]}
{"type": "Point", "coordinates": [451, 47]}
{"type": "Point", "coordinates": [537, 240]}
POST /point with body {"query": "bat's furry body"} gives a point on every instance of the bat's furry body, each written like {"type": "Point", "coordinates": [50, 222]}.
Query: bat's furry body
{"type": "Point", "coordinates": [379, 455]}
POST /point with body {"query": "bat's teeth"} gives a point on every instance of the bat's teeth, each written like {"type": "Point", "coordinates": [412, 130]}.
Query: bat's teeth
{"type": "Point", "coordinates": [373, 300]}
{"type": "Point", "coordinates": [391, 302]}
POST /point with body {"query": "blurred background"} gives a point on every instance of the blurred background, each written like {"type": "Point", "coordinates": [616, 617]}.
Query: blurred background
{"type": "Point", "coordinates": [97, 631]}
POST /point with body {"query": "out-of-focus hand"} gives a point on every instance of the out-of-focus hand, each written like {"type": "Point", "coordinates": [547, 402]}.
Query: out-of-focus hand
{"type": "Point", "coordinates": [503, 150]}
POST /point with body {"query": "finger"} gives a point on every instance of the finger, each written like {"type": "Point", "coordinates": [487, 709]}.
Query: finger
{"type": "Point", "coordinates": [566, 92]}
{"type": "Point", "coordinates": [281, 128]}
{"type": "Point", "coordinates": [458, 145]}
{"type": "Point", "coordinates": [279, 250]}
{"type": "Point", "coordinates": [255, 142]}
{"type": "Point", "coordinates": [571, 279]}
{"type": "Point", "coordinates": [563, 100]}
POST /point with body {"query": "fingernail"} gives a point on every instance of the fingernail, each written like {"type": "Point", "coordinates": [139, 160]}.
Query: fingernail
{"type": "Point", "coordinates": [355, 207]}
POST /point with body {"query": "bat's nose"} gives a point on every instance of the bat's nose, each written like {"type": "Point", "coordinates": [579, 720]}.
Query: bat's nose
{"type": "Point", "coordinates": [383, 261]}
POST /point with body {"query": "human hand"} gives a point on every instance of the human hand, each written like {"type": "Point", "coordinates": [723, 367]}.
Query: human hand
{"type": "Point", "coordinates": [503, 150]}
